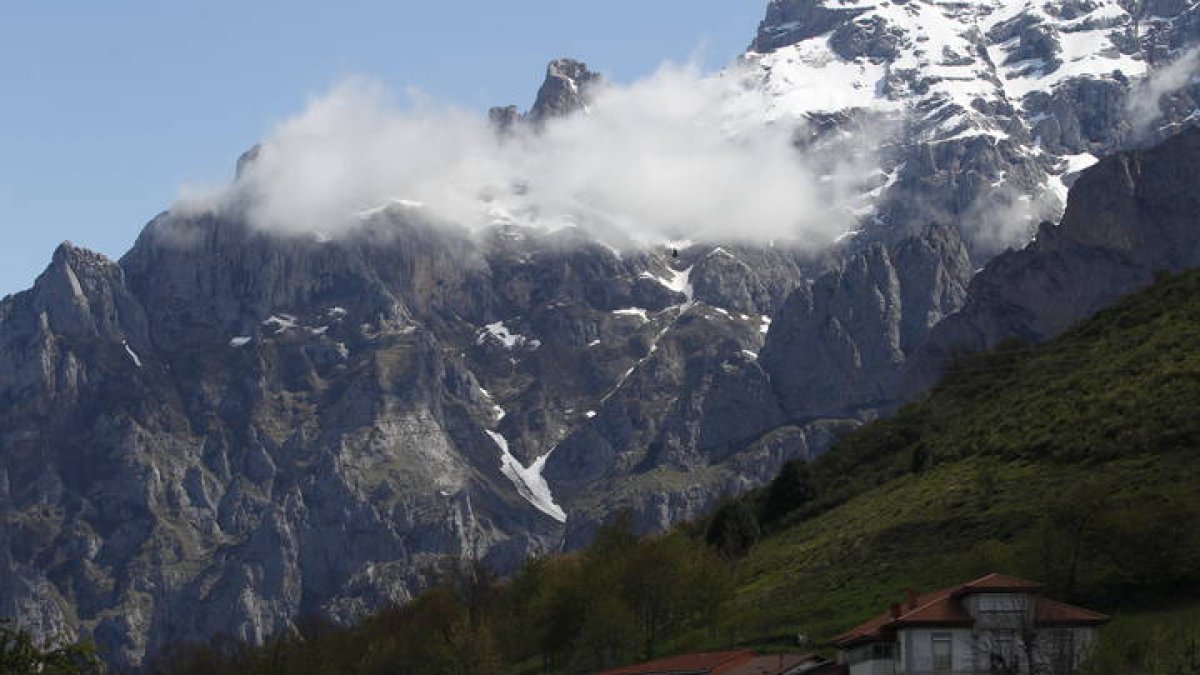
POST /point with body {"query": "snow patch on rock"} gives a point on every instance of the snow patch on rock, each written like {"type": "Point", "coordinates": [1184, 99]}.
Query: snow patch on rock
{"type": "Point", "coordinates": [529, 480]}
{"type": "Point", "coordinates": [509, 339]}
{"type": "Point", "coordinates": [632, 311]}
{"type": "Point", "coordinates": [132, 354]}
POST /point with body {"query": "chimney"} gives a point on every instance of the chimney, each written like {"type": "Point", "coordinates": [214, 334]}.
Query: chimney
{"type": "Point", "coordinates": [911, 599]}
{"type": "Point", "coordinates": [895, 612]}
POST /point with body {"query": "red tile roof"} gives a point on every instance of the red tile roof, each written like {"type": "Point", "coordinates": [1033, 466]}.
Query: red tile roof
{"type": "Point", "coordinates": [1052, 612]}
{"type": "Point", "coordinates": [1001, 583]}
{"type": "Point", "coordinates": [778, 664]}
{"type": "Point", "coordinates": [945, 608]}
{"type": "Point", "coordinates": [741, 662]}
{"type": "Point", "coordinates": [705, 662]}
{"type": "Point", "coordinates": [940, 607]}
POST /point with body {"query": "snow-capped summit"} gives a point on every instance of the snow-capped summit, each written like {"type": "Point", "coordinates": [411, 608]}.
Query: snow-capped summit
{"type": "Point", "coordinates": [1000, 101]}
{"type": "Point", "coordinates": [927, 53]}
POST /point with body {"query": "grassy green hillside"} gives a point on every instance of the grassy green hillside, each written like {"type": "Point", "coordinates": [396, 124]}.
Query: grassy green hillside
{"type": "Point", "coordinates": [1073, 463]}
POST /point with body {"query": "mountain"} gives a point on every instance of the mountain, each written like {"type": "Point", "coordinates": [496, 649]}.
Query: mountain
{"type": "Point", "coordinates": [224, 431]}
{"type": "Point", "coordinates": [1001, 102]}
{"type": "Point", "coordinates": [1072, 462]}
{"type": "Point", "coordinates": [1077, 472]}
{"type": "Point", "coordinates": [838, 348]}
{"type": "Point", "coordinates": [230, 428]}
{"type": "Point", "coordinates": [1128, 219]}
{"type": "Point", "coordinates": [563, 92]}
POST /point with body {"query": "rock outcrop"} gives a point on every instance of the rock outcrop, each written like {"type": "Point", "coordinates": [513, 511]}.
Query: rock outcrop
{"type": "Point", "coordinates": [837, 348]}
{"type": "Point", "coordinates": [564, 91]}
{"type": "Point", "coordinates": [1128, 218]}
{"type": "Point", "coordinates": [229, 429]}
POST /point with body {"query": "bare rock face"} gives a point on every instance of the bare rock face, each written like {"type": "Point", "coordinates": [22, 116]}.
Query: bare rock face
{"type": "Point", "coordinates": [1084, 115]}
{"type": "Point", "coordinates": [872, 39]}
{"type": "Point", "coordinates": [1129, 217]}
{"type": "Point", "coordinates": [837, 348]}
{"type": "Point", "coordinates": [245, 450]}
{"type": "Point", "coordinates": [838, 344]}
{"type": "Point", "coordinates": [933, 271]}
{"type": "Point", "coordinates": [504, 119]}
{"type": "Point", "coordinates": [230, 428]}
{"type": "Point", "coordinates": [790, 21]}
{"type": "Point", "coordinates": [678, 430]}
{"type": "Point", "coordinates": [564, 92]}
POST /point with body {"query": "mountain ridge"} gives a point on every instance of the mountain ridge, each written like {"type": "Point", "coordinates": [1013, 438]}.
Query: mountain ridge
{"type": "Point", "coordinates": [261, 426]}
{"type": "Point", "coordinates": [844, 536]}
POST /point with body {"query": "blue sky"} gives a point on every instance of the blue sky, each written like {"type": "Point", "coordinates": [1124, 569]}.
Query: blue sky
{"type": "Point", "coordinates": [106, 108]}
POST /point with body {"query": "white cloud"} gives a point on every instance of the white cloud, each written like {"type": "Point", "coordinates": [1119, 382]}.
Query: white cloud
{"type": "Point", "coordinates": [678, 154]}
{"type": "Point", "coordinates": [1143, 102]}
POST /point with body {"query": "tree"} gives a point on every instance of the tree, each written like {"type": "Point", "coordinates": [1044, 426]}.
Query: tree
{"type": "Point", "coordinates": [733, 530]}
{"type": "Point", "coordinates": [790, 490]}
{"type": "Point", "coordinates": [222, 653]}
{"type": "Point", "coordinates": [432, 634]}
{"type": "Point", "coordinates": [20, 655]}
{"type": "Point", "coordinates": [1009, 642]}
{"type": "Point", "coordinates": [1065, 537]}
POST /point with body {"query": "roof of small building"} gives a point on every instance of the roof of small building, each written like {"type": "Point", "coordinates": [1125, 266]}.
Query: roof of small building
{"type": "Point", "coordinates": [945, 608]}
{"type": "Point", "coordinates": [782, 664]}
{"type": "Point", "coordinates": [739, 662]}
{"type": "Point", "coordinates": [703, 662]}
{"type": "Point", "coordinates": [1054, 612]}
{"type": "Point", "coordinates": [1000, 583]}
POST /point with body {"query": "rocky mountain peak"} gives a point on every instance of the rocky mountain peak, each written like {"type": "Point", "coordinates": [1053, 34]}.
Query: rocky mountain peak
{"type": "Point", "coordinates": [83, 294]}
{"type": "Point", "coordinates": [564, 90]}
{"type": "Point", "coordinates": [790, 21]}
{"type": "Point", "coordinates": [246, 159]}
{"type": "Point", "coordinates": [1135, 203]}
{"type": "Point", "coordinates": [1129, 217]}
{"type": "Point", "coordinates": [504, 118]}
{"type": "Point", "coordinates": [1001, 102]}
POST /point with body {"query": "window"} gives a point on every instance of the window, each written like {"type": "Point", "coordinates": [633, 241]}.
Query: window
{"type": "Point", "coordinates": [943, 652]}
{"type": "Point", "coordinates": [1002, 611]}
{"type": "Point", "coordinates": [871, 652]}
{"type": "Point", "coordinates": [1002, 618]}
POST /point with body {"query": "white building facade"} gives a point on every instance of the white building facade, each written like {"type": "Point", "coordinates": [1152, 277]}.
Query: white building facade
{"type": "Point", "coordinates": [994, 625]}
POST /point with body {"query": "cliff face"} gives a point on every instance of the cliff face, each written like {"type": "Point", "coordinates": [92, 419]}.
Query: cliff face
{"type": "Point", "coordinates": [227, 430]}
{"type": "Point", "coordinates": [178, 461]}
{"type": "Point", "coordinates": [837, 348]}
{"type": "Point", "coordinates": [1129, 217]}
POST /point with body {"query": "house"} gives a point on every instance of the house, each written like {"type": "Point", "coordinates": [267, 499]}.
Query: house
{"type": "Point", "coordinates": [994, 625]}
{"type": "Point", "coordinates": [739, 662]}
